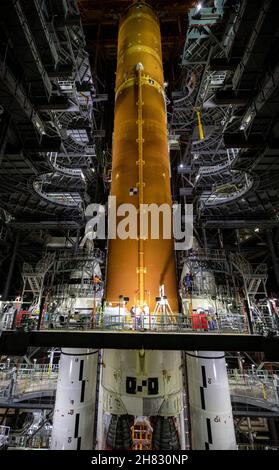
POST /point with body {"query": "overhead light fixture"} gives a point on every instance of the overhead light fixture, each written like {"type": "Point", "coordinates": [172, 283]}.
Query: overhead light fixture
{"type": "Point", "coordinates": [199, 6]}
{"type": "Point", "coordinates": [256, 229]}
{"type": "Point", "coordinates": [181, 165]}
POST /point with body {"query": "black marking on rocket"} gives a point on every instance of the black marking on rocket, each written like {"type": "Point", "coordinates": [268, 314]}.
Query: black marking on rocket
{"type": "Point", "coordinates": [79, 443]}
{"type": "Point", "coordinates": [153, 386]}
{"type": "Point", "coordinates": [203, 376]}
{"type": "Point", "coordinates": [82, 391]}
{"type": "Point", "coordinates": [202, 398]}
{"type": "Point", "coordinates": [81, 369]}
{"type": "Point", "coordinates": [206, 446]}
{"type": "Point", "coordinates": [209, 432]}
{"type": "Point", "coordinates": [76, 425]}
{"type": "Point", "coordinates": [133, 191]}
{"type": "Point", "coordinates": [131, 385]}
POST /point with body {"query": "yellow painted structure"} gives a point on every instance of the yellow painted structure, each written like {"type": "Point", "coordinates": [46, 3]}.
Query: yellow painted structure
{"type": "Point", "coordinates": [140, 164]}
{"type": "Point", "coordinates": [200, 125]}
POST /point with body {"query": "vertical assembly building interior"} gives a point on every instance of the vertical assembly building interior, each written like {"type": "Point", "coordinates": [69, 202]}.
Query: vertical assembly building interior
{"type": "Point", "coordinates": [113, 334]}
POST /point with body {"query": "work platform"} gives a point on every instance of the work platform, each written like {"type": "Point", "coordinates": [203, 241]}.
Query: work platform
{"type": "Point", "coordinates": [14, 342]}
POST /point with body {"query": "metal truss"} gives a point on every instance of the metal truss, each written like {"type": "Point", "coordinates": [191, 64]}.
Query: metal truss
{"type": "Point", "coordinates": [56, 122]}
{"type": "Point", "coordinates": [56, 180]}
{"type": "Point", "coordinates": [210, 173]}
{"type": "Point", "coordinates": [34, 277]}
{"type": "Point", "coordinates": [229, 191]}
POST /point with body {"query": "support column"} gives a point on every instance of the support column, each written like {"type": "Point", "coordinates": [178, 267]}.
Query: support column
{"type": "Point", "coordinates": [76, 247]}
{"type": "Point", "coordinates": [204, 239]}
{"type": "Point", "coordinates": [248, 309]}
{"type": "Point", "coordinates": [42, 299]}
{"type": "Point", "coordinates": [5, 122]}
{"type": "Point", "coordinates": [73, 419]}
{"type": "Point", "coordinates": [240, 363]}
{"type": "Point", "coordinates": [273, 430]}
{"type": "Point", "coordinates": [11, 270]}
{"type": "Point", "coordinates": [221, 239]}
{"type": "Point", "coordinates": [212, 426]}
{"type": "Point", "coordinates": [273, 255]}
{"type": "Point", "coordinates": [250, 433]}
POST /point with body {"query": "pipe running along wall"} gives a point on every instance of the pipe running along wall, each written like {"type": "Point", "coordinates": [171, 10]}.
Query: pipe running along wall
{"type": "Point", "coordinates": [140, 163]}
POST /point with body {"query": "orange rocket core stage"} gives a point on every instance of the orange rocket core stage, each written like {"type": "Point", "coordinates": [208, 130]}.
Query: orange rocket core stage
{"type": "Point", "coordinates": [140, 162]}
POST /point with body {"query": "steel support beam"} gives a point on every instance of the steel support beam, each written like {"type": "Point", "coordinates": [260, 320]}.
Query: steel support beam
{"type": "Point", "coordinates": [238, 140]}
{"type": "Point", "coordinates": [46, 224]}
{"type": "Point", "coordinates": [11, 269]}
{"type": "Point", "coordinates": [240, 223]}
{"type": "Point", "coordinates": [16, 342]}
{"type": "Point", "coordinates": [222, 63]}
{"type": "Point", "coordinates": [229, 97]}
{"type": "Point", "coordinates": [273, 255]}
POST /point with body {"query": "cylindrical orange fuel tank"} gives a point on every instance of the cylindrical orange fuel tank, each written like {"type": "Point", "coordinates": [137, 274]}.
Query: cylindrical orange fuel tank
{"type": "Point", "coordinates": [140, 163]}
